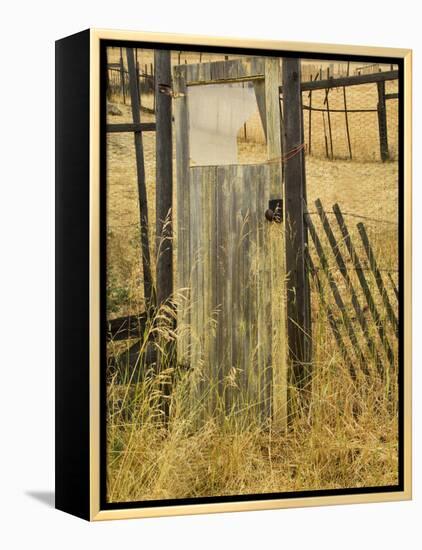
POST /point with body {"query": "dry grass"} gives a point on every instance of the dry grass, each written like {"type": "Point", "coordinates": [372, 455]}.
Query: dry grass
{"type": "Point", "coordinates": [348, 436]}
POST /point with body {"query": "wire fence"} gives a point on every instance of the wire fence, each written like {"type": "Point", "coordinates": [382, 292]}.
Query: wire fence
{"type": "Point", "coordinates": [358, 296]}
{"type": "Point", "coordinates": [343, 122]}
{"type": "Point", "coordinates": [340, 123]}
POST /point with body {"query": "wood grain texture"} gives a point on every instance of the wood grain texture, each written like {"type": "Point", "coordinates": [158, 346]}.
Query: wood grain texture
{"type": "Point", "coordinates": [364, 284]}
{"type": "Point", "coordinates": [237, 332]}
{"type": "Point", "coordinates": [220, 71]}
{"type": "Point", "coordinates": [164, 179]}
{"type": "Point", "coordinates": [272, 106]}
{"type": "Point", "coordinates": [181, 118]}
{"type": "Point", "coordinates": [378, 277]}
{"type": "Point", "coordinates": [346, 321]}
{"type": "Point", "coordinates": [230, 258]}
{"type": "Point", "coordinates": [278, 312]}
{"type": "Point", "coordinates": [382, 121]}
{"type": "Point", "coordinates": [360, 316]}
{"type": "Point", "coordinates": [297, 288]}
{"type": "Point", "coordinates": [259, 87]}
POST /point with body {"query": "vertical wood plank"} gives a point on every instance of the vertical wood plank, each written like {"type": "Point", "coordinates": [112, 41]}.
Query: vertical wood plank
{"type": "Point", "coordinates": [278, 317]}
{"type": "Point", "coordinates": [192, 72]}
{"type": "Point", "coordinates": [382, 121]}
{"type": "Point", "coordinates": [361, 276]}
{"type": "Point", "coordinates": [181, 118]}
{"type": "Point", "coordinates": [253, 378]}
{"type": "Point", "coordinates": [336, 294]}
{"type": "Point", "coordinates": [378, 277]}
{"type": "Point", "coordinates": [261, 176]}
{"type": "Point", "coordinates": [248, 288]}
{"type": "Point", "coordinates": [244, 68]}
{"type": "Point", "coordinates": [224, 284]}
{"type": "Point", "coordinates": [196, 294]}
{"type": "Point", "coordinates": [236, 190]}
{"type": "Point", "coordinates": [232, 68]}
{"type": "Point", "coordinates": [331, 318]}
{"type": "Point", "coordinates": [240, 357]}
{"type": "Point", "coordinates": [349, 285]}
{"type": "Point", "coordinates": [259, 86]}
{"type": "Point", "coordinates": [295, 238]}
{"type": "Point", "coordinates": [257, 65]}
{"type": "Point", "coordinates": [260, 297]}
{"type": "Point", "coordinates": [272, 106]}
{"type": "Point", "coordinates": [277, 388]}
{"type": "Point", "coordinates": [164, 178]}
{"type": "Point", "coordinates": [163, 204]}
{"type": "Point", "coordinates": [210, 283]}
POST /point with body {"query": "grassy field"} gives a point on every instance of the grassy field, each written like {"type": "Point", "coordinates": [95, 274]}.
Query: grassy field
{"type": "Point", "coordinates": [348, 435]}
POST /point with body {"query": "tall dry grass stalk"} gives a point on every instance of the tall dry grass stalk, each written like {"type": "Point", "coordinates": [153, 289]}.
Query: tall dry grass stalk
{"type": "Point", "coordinates": [348, 434]}
{"type": "Point", "coordinates": [346, 438]}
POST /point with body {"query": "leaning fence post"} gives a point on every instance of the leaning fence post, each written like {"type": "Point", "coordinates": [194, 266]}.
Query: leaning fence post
{"type": "Point", "coordinates": [331, 317]}
{"type": "Point", "coordinates": [382, 121]}
{"type": "Point", "coordinates": [345, 274]}
{"type": "Point", "coordinates": [294, 193]}
{"type": "Point", "coordinates": [149, 293]}
{"type": "Point", "coordinates": [335, 291]}
{"type": "Point", "coordinates": [366, 290]}
{"type": "Point", "coordinates": [378, 277]}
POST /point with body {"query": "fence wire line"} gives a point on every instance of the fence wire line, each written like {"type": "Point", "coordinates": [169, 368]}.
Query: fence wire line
{"type": "Point", "coordinates": [359, 216]}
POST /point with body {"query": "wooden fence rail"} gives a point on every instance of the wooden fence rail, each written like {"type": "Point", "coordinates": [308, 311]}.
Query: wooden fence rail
{"type": "Point", "coordinates": [349, 285]}
{"type": "Point", "coordinates": [357, 329]}
{"type": "Point", "coordinates": [364, 284]}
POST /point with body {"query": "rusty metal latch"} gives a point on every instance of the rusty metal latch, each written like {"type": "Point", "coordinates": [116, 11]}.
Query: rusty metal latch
{"type": "Point", "coordinates": [274, 213]}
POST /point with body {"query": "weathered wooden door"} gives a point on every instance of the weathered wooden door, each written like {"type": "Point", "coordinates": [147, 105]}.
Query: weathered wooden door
{"type": "Point", "coordinates": [230, 257]}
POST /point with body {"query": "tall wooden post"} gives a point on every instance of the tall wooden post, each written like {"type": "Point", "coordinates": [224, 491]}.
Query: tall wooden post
{"type": "Point", "coordinates": [138, 78]}
{"type": "Point", "coordinates": [122, 76]}
{"type": "Point", "coordinates": [294, 194]}
{"type": "Point", "coordinates": [382, 121]}
{"type": "Point", "coordinates": [164, 175]}
{"type": "Point", "coordinates": [149, 293]}
{"type": "Point", "coordinates": [163, 202]}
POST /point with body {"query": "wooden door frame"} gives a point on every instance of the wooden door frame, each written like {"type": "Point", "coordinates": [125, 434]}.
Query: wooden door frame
{"type": "Point", "coordinates": [258, 69]}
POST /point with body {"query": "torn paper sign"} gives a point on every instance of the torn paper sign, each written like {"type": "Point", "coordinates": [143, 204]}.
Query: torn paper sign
{"type": "Point", "coordinates": [216, 114]}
